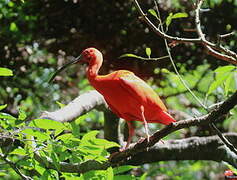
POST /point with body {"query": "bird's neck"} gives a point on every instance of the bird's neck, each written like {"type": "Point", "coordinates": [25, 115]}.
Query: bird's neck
{"type": "Point", "coordinates": [92, 72]}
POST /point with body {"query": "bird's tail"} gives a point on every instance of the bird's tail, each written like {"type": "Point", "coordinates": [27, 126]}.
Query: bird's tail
{"type": "Point", "coordinates": [162, 117]}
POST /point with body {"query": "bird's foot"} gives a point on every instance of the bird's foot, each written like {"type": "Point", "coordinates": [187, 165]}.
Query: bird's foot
{"type": "Point", "coordinates": [162, 141]}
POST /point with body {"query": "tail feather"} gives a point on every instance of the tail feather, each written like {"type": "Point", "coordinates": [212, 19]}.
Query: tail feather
{"type": "Point", "coordinates": [162, 117]}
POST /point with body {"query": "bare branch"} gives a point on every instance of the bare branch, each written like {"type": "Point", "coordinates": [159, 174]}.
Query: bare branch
{"type": "Point", "coordinates": [230, 57]}
{"type": "Point", "coordinates": [194, 148]}
{"type": "Point", "coordinates": [213, 49]}
{"type": "Point", "coordinates": [79, 106]}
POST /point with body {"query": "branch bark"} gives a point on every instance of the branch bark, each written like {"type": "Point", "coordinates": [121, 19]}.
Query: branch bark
{"type": "Point", "coordinates": [79, 106]}
{"type": "Point", "coordinates": [194, 148]}
{"type": "Point", "coordinates": [217, 113]}
{"type": "Point", "coordinates": [212, 48]}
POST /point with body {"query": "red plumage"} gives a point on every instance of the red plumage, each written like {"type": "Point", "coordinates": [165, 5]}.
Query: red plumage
{"type": "Point", "coordinates": [128, 96]}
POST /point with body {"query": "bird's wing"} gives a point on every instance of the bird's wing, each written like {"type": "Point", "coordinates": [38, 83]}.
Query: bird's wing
{"type": "Point", "coordinates": [139, 89]}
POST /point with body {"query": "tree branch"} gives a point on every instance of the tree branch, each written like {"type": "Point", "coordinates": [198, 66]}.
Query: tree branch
{"type": "Point", "coordinates": [217, 113]}
{"type": "Point", "coordinates": [14, 167]}
{"type": "Point", "coordinates": [194, 148]}
{"type": "Point", "coordinates": [212, 48]}
{"type": "Point", "coordinates": [79, 106]}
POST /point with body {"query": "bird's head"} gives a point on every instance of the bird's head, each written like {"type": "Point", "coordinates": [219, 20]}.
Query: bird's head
{"type": "Point", "coordinates": [90, 56]}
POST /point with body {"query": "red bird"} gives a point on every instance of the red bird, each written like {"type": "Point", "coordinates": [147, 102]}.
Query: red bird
{"type": "Point", "coordinates": [128, 96]}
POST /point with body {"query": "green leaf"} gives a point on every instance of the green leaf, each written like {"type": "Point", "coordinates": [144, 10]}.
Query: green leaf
{"type": "Point", "coordinates": [105, 143]}
{"type": "Point", "coordinates": [124, 177]}
{"type": "Point", "coordinates": [13, 27]}
{"type": "Point", "coordinates": [46, 124]}
{"type": "Point", "coordinates": [60, 104]}
{"type": "Point", "coordinates": [7, 116]}
{"type": "Point", "coordinates": [2, 174]}
{"type": "Point", "coordinates": [168, 20]}
{"type": "Point", "coordinates": [3, 106]}
{"type": "Point", "coordinates": [55, 160]}
{"type": "Point", "coordinates": [22, 115]}
{"type": "Point", "coordinates": [224, 69]}
{"type": "Point", "coordinates": [123, 169]}
{"type": "Point", "coordinates": [110, 173]}
{"type": "Point", "coordinates": [143, 177]}
{"type": "Point", "coordinates": [153, 13]}
{"type": "Point", "coordinates": [65, 137]}
{"type": "Point", "coordinates": [227, 84]}
{"type": "Point", "coordinates": [129, 55]}
{"type": "Point", "coordinates": [174, 16]}
{"type": "Point", "coordinates": [217, 83]}
{"type": "Point", "coordinates": [90, 135]}
{"type": "Point", "coordinates": [179, 15]}
{"type": "Point", "coordinates": [19, 151]}
{"type": "Point", "coordinates": [41, 136]}
{"type": "Point", "coordinates": [5, 72]}
{"type": "Point", "coordinates": [148, 52]}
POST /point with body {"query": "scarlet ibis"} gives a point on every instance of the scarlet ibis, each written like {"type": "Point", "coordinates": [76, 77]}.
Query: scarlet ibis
{"type": "Point", "coordinates": [128, 96]}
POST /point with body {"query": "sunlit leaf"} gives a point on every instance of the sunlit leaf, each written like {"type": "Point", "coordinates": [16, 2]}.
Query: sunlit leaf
{"type": "Point", "coordinates": [41, 136]}
{"type": "Point", "coordinates": [143, 177]}
{"type": "Point", "coordinates": [46, 124]}
{"type": "Point", "coordinates": [65, 137]}
{"type": "Point", "coordinates": [89, 135]}
{"type": "Point", "coordinates": [3, 106]}
{"type": "Point", "coordinates": [123, 169]}
{"type": "Point", "coordinates": [227, 84]}
{"type": "Point", "coordinates": [217, 83]}
{"type": "Point", "coordinates": [7, 116]}
{"type": "Point", "coordinates": [148, 52]}
{"type": "Point", "coordinates": [105, 143]}
{"type": "Point", "coordinates": [153, 13]}
{"type": "Point", "coordinates": [129, 55]}
{"type": "Point", "coordinates": [19, 151]}
{"type": "Point", "coordinates": [110, 173]}
{"type": "Point", "coordinates": [124, 177]}
{"type": "Point", "coordinates": [224, 69]}
{"type": "Point", "coordinates": [61, 105]}
{"type": "Point", "coordinates": [13, 27]}
{"type": "Point", "coordinates": [5, 72]}
{"type": "Point", "coordinates": [179, 15]}
{"type": "Point", "coordinates": [168, 20]}
{"type": "Point", "coordinates": [22, 115]}
{"type": "Point", "coordinates": [2, 174]}
{"type": "Point", "coordinates": [174, 16]}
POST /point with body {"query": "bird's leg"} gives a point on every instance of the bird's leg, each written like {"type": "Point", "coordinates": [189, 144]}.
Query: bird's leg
{"type": "Point", "coordinates": [145, 123]}
{"type": "Point", "coordinates": [130, 133]}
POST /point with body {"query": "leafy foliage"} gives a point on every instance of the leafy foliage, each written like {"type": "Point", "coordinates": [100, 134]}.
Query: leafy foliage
{"type": "Point", "coordinates": [37, 37]}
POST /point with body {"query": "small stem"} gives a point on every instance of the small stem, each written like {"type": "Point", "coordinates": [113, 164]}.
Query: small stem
{"type": "Point", "coordinates": [14, 167]}
{"type": "Point", "coordinates": [174, 66]}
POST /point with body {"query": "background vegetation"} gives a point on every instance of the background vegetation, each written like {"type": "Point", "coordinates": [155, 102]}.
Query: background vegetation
{"type": "Point", "coordinates": [37, 37]}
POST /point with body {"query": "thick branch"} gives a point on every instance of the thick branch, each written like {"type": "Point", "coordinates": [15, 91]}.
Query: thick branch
{"type": "Point", "coordinates": [206, 119]}
{"type": "Point", "coordinates": [194, 148]}
{"type": "Point", "coordinates": [79, 106]}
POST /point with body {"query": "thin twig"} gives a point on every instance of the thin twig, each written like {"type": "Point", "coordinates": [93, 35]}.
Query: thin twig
{"type": "Point", "coordinates": [213, 48]}
{"type": "Point", "coordinates": [174, 66]}
{"type": "Point", "coordinates": [14, 167]}
{"type": "Point", "coordinates": [229, 56]}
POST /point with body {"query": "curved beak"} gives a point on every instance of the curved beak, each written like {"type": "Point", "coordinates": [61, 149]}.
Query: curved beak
{"type": "Point", "coordinates": [74, 61]}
